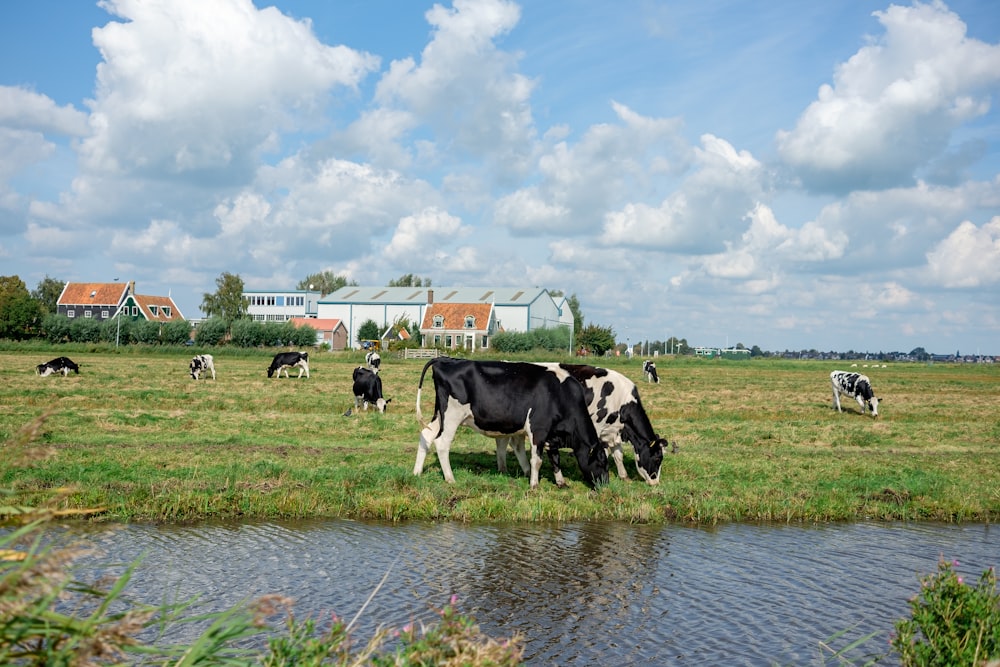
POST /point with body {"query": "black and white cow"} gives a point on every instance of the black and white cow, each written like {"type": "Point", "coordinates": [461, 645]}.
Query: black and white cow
{"type": "Point", "coordinates": [649, 370]}
{"type": "Point", "coordinates": [373, 360]}
{"type": "Point", "coordinates": [500, 398]}
{"type": "Point", "coordinates": [615, 408]}
{"type": "Point", "coordinates": [58, 365]}
{"type": "Point", "coordinates": [368, 389]}
{"type": "Point", "coordinates": [285, 360]}
{"type": "Point", "coordinates": [858, 387]}
{"type": "Point", "coordinates": [202, 363]}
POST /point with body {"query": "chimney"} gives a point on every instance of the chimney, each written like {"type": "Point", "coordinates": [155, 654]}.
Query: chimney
{"type": "Point", "coordinates": [430, 296]}
{"type": "Point", "coordinates": [131, 287]}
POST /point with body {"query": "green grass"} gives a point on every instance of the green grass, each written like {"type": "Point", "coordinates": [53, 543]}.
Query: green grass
{"type": "Point", "coordinates": [758, 440]}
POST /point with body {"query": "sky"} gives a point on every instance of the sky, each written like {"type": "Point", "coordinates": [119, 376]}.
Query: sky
{"type": "Point", "coordinates": [821, 175]}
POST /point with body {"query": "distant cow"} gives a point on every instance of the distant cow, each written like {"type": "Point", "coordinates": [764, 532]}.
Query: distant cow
{"type": "Point", "coordinates": [58, 365]}
{"type": "Point", "coordinates": [368, 389]}
{"type": "Point", "coordinates": [499, 398]}
{"type": "Point", "coordinates": [858, 387]}
{"type": "Point", "coordinates": [615, 408]}
{"type": "Point", "coordinates": [202, 363]}
{"type": "Point", "coordinates": [649, 370]}
{"type": "Point", "coordinates": [373, 360]}
{"type": "Point", "coordinates": [285, 360]}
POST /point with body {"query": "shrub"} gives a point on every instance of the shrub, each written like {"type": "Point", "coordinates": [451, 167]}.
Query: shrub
{"type": "Point", "coordinates": [951, 623]}
{"type": "Point", "coordinates": [211, 331]}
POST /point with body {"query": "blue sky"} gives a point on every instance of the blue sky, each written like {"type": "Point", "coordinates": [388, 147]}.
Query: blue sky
{"type": "Point", "coordinates": [783, 174]}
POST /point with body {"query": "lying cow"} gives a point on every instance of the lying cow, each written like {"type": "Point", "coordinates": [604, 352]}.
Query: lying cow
{"type": "Point", "coordinates": [58, 365]}
{"type": "Point", "coordinates": [285, 360]}
{"type": "Point", "coordinates": [616, 410]}
{"type": "Point", "coordinates": [499, 398]}
{"type": "Point", "coordinates": [858, 387]}
{"type": "Point", "coordinates": [368, 389]}
{"type": "Point", "coordinates": [649, 370]}
{"type": "Point", "coordinates": [373, 360]}
{"type": "Point", "coordinates": [202, 363]}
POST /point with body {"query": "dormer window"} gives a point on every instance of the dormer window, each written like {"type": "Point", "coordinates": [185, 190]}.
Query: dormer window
{"type": "Point", "coordinates": [154, 310]}
{"type": "Point", "coordinates": [470, 321]}
{"type": "Point", "coordinates": [438, 322]}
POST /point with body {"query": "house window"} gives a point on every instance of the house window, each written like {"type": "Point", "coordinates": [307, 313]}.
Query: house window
{"type": "Point", "coordinates": [437, 340]}
{"type": "Point", "coordinates": [166, 311]}
{"type": "Point", "coordinates": [438, 322]}
{"type": "Point", "coordinates": [470, 321]}
{"type": "Point", "coordinates": [70, 313]}
{"type": "Point", "coordinates": [485, 342]}
{"type": "Point", "coordinates": [104, 314]}
{"type": "Point", "coordinates": [135, 311]}
{"type": "Point", "coordinates": [88, 313]}
{"type": "Point", "coordinates": [154, 310]}
{"type": "Point", "coordinates": [447, 341]}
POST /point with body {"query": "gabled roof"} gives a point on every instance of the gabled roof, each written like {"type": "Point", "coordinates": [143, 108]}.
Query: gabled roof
{"type": "Point", "coordinates": [148, 303]}
{"type": "Point", "coordinates": [455, 313]}
{"type": "Point", "coordinates": [97, 294]}
{"type": "Point", "coordinates": [318, 323]}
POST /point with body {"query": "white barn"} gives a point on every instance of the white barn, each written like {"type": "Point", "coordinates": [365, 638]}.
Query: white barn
{"type": "Point", "coordinates": [515, 308]}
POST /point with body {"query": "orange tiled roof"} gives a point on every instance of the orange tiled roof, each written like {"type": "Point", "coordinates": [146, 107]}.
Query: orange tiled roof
{"type": "Point", "coordinates": [455, 314]}
{"type": "Point", "coordinates": [159, 302]}
{"type": "Point", "coordinates": [105, 294]}
{"type": "Point", "coordinates": [317, 323]}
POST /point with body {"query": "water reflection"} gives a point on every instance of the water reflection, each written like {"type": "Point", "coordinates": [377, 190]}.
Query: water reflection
{"type": "Point", "coordinates": [582, 593]}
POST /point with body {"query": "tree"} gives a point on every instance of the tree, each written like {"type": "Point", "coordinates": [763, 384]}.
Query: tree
{"type": "Point", "coordinates": [574, 307]}
{"type": "Point", "coordinates": [324, 282]}
{"type": "Point", "coordinates": [20, 315]}
{"type": "Point", "coordinates": [410, 280]}
{"type": "Point", "coordinates": [595, 338]}
{"type": "Point", "coordinates": [47, 294]}
{"type": "Point", "coordinates": [369, 330]}
{"type": "Point", "coordinates": [227, 301]}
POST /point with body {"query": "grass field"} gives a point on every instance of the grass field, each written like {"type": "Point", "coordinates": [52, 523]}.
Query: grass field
{"type": "Point", "coordinates": [758, 441]}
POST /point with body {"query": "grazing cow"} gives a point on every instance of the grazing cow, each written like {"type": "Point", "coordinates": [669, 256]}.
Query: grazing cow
{"type": "Point", "coordinates": [649, 370]}
{"type": "Point", "coordinates": [616, 410]}
{"type": "Point", "coordinates": [202, 363]}
{"type": "Point", "coordinates": [500, 398]}
{"type": "Point", "coordinates": [858, 387]}
{"type": "Point", "coordinates": [373, 360]}
{"type": "Point", "coordinates": [285, 360]}
{"type": "Point", "coordinates": [368, 389]}
{"type": "Point", "coordinates": [58, 365]}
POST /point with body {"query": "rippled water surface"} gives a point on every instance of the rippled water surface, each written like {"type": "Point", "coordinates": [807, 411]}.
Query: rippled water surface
{"type": "Point", "coordinates": [591, 593]}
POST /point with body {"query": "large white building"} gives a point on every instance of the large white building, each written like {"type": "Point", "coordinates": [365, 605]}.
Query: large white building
{"type": "Point", "coordinates": [515, 308]}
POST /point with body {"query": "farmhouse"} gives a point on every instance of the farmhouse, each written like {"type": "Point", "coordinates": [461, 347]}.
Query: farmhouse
{"type": "Point", "coordinates": [520, 309]}
{"type": "Point", "coordinates": [102, 301]}
{"type": "Point", "coordinates": [458, 325]}
{"type": "Point", "coordinates": [329, 331]}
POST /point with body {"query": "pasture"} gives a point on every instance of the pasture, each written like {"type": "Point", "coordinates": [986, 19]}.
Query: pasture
{"type": "Point", "coordinates": [757, 441]}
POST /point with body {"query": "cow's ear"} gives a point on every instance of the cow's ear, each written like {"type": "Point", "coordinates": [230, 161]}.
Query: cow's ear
{"type": "Point", "coordinates": [388, 400]}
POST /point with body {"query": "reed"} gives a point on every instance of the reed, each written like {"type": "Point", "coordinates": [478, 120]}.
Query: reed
{"type": "Point", "coordinates": [758, 441]}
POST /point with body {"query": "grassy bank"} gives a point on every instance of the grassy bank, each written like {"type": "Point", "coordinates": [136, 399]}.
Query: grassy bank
{"type": "Point", "coordinates": [758, 440]}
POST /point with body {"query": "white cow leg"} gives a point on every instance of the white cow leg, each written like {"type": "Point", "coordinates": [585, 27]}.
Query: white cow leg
{"type": "Point", "coordinates": [443, 448]}
{"type": "Point", "coordinates": [619, 457]}
{"type": "Point", "coordinates": [536, 466]}
{"type": "Point", "coordinates": [422, 449]}
{"type": "Point", "coordinates": [517, 444]}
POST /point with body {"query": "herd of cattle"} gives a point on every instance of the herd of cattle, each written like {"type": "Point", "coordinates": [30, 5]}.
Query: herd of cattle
{"type": "Point", "coordinates": [590, 410]}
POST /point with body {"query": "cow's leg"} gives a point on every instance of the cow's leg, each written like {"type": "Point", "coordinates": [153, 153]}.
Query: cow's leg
{"type": "Point", "coordinates": [426, 438]}
{"type": "Point", "coordinates": [553, 453]}
{"type": "Point", "coordinates": [861, 402]}
{"type": "Point", "coordinates": [619, 456]}
{"type": "Point", "coordinates": [836, 399]}
{"type": "Point", "coordinates": [536, 465]}
{"type": "Point", "coordinates": [502, 454]}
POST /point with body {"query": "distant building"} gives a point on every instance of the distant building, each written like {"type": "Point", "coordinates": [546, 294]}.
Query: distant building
{"type": "Point", "coordinates": [514, 308]}
{"type": "Point", "coordinates": [329, 331]}
{"type": "Point", "coordinates": [454, 326]}
{"type": "Point", "coordinates": [103, 301]}
{"type": "Point", "coordinates": [280, 305]}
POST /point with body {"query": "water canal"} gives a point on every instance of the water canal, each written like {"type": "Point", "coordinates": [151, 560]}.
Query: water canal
{"type": "Point", "coordinates": [594, 593]}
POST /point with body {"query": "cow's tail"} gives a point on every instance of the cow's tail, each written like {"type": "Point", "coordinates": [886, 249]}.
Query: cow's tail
{"type": "Point", "coordinates": [420, 415]}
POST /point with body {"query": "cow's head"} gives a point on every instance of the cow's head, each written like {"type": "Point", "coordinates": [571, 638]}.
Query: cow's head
{"type": "Point", "coordinates": [596, 471]}
{"type": "Point", "coordinates": [650, 460]}
{"type": "Point", "coordinates": [873, 405]}
{"type": "Point", "coordinates": [382, 403]}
